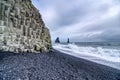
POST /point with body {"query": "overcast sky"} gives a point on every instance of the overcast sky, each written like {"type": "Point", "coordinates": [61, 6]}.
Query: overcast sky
{"type": "Point", "coordinates": [81, 20]}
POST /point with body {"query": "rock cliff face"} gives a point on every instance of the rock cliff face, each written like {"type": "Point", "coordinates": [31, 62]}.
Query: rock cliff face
{"type": "Point", "coordinates": [22, 28]}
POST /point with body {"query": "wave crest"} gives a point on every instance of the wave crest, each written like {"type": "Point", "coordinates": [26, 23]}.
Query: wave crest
{"type": "Point", "coordinates": [107, 54]}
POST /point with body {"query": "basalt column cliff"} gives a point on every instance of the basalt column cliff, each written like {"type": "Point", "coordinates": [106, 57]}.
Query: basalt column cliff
{"type": "Point", "coordinates": [22, 28]}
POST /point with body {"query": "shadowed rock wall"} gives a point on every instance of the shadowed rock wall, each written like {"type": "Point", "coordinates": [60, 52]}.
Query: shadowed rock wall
{"type": "Point", "coordinates": [22, 28]}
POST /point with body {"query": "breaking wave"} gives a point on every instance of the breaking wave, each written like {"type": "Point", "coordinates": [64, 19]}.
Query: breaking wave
{"type": "Point", "coordinates": [107, 56]}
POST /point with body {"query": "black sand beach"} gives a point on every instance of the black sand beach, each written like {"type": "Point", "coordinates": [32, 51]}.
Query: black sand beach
{"type": "Point", "coordinates": [52, 66]}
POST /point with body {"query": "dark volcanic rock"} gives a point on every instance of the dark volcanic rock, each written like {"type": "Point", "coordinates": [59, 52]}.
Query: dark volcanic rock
{"type": "Point", "coordinates": [52, 66]}
{"type": "Point", "coordinates": [57, 40]}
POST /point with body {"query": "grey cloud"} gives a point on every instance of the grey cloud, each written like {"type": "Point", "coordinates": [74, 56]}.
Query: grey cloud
{"type": "Point", "coordinates": [71, 17]}
{"type": "Point", "coordinates": [79, 14]}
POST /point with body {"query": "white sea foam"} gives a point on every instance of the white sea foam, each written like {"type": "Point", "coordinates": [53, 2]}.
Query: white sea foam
{"type": "Point", "coordinates": [106, 56]}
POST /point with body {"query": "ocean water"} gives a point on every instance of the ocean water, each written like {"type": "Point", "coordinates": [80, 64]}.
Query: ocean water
{"type": "Point", "coordinates": [106, 53]}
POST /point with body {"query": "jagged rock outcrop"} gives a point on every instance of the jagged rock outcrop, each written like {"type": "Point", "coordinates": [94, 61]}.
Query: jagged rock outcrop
{"type": "Point", "coordinates": [22, 28]}
{"type": "Point", "coordinates": [68, 41]}
{"type": "Point", "coordinates": [57, 40]}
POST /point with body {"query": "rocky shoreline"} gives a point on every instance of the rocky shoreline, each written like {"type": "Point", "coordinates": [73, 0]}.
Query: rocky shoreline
{"type": "Point", "coordinates": [52, 66]}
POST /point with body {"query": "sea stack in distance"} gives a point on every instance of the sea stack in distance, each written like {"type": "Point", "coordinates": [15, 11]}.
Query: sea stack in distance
{"type": "Point", "coordinates": [22, 28]}
{"type": "Point", "coordinates": [68, 41]}
{"type": "Point", "coordinates": [57, 40]}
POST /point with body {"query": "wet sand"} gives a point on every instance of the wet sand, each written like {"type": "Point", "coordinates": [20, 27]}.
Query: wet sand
{"type": "Point", "coordinates": [52, 66]}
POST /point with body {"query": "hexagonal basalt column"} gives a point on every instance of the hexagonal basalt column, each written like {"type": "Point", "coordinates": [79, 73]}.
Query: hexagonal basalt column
{"type": "Point", "coordinates": [22, 24]}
